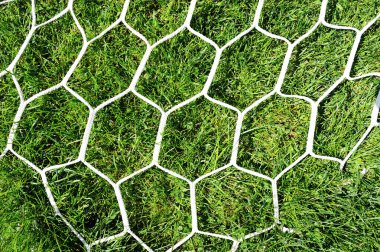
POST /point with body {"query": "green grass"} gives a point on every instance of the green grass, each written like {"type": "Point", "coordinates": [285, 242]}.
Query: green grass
{"type": "Point", "coordinates": [98, 213]}
{"type": "Point", "coordinates": [15, 21]}
{"type": "Point", "coordinates": [356, 14]}
{"type": "Point", "coordinates": [368, 52]}
{"type": "Point", "coordinates": [50, 131]}
{"type": "Point", "coordinates": [161, 216]}
{"type": "Point", "coordinates": [129, 142]}
{"type": "Point", "coordinates": [115, 56]}
{"type": "Point", "coordinates": [176, 70]}
{"type": "Point", "coordinates": [198, 138]}
{"type": "Point", "coordinates": [226, 198]}
{"type": "Point", "coordinates": [221, 21]}
{"type": "Point", "coordinates": [47, 9]}
{"type": "Point", "coordinates": [27, 224]}
{"type": "Point", "coordinates": [329, 209]}
{"type": "Point", "coordinates": [318, 60]}
{"type": "Point", "coordinates": [9, 103]}
{"type": "Point", "coordinates": [48, 56]}
{"type": "Point", "coordinates": [95, 16]}
{"type": "Point", "coordinates": [244, 63]}
{"type": "Point", "coordinates": [272, 138]}
{"type": "Point", "coordinates": [156, 19]}
{"type": "Point", "coordinates": [290, 18]}
{"type": "Point", "coordinates": [340, 126]}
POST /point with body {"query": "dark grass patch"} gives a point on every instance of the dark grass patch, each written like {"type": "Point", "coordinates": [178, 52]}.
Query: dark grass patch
{"type": "Point", "coordinates": [48, 56]}
{"type": "Point", "coordinates": [289, 18]}
{"type": "Point", "coordinates": [248, 69]}
{"type": "Point", "coordinates": [365, 157]}
{"type": "Point", "coordinates": [352, 13]}
{"type": "Point", "coordinates": [203, 243]}
{"type": "Point", "coordinates": [160, 217]}
{"type": "Point", "coordinates": [176, 70]}
{"type": "Point", "coordinates": [108, 66]}
{"type": "Point", "coordinates": [86, 200]}
{"type": "Point", "coordinates": [125, 243]}
{"type": "Point", "coordinates": [222, 20]}
{"type": "Point", "coordinates": [51, 129]}
{"type": "Point", "coordinates": [274, 135]}
{"type": "Point", "coordinates": [28, 222]}
{"type": "Point", "coordinates": [156, 19]}
{"type": "Point", "coordinates": [47, 9]}
{"type": "Point", "coordinates": [274, 240]}
{"type": "Point", "coordinates": [198, 138]}
{"type": "Point", "coordinates": [317, 62]}
{"type": "Point", "coordinates": [331, 210]}
{"type": "Point", "coordinates": [367, 56]}
{"type": "Point", "coordinates": [344, 116]}
{"type": "Point", "coordinates": [14, 26]}
{"type": "Point", "coordinates": [234, 203]}
{"type": "Point", "coordinates": [9, 102]}
{"type": "Point", "coordinates": [96, 16]}
{"type": "Point", "coordinates": [123, 137]}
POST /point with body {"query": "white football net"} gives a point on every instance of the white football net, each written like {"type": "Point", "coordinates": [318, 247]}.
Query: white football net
{"type": "Point", "coordinates": [164, 114]}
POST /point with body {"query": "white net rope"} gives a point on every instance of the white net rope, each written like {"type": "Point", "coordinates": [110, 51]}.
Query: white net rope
{"type": "Point", "coordinates": [164, 114]}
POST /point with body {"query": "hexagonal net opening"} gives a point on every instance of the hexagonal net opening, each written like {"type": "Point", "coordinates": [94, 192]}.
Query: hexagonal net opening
{"type": "Point", "coordinates": [189, 125]}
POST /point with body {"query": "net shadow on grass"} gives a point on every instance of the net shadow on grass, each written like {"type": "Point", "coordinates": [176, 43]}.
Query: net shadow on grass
{"type": "Point", "coordinates": [237, 210]}
{"type": "Point", "coordinates": [51, 129]}
{"type": "Point", "coordinates": [123, 137]}
{"type": "Point", "coordinates": [329, 209]}
{"type": "Point", "coordinates": [48, 56]}
{"type": "Point", "coordinates": [318, 62]}
{"type": "Point", "coordinates": [344, 116]}
{"type": "Point", "coordinates": [248, 70]}
{"type": "Point", "coordinates": [14, 26]}
{"type": "Point", "coordinates": [9, 101]}
{"type": "Point", "coordinates": [156, 19]}
{"type": "Point", "coordinates": [87, 201]}
{"type": "Point", "coordinates": [352, 13]}
{"type": "Point", "coordinates": [108, 66]}
{"type": "Point", "coordinates": [198, 139]}
{"type": "Point", "coordinates": [176, 70]}
{"type": "Point", "coordinates": [160, 217]}
{"type": "Point", "coordinates": [274, 135]}
{"type": "Point", "coordinates": [47, 9]}
{"type": "Point", "coordinates": [222, 20]}
{"type": "Point", "coordinates": [366, 60]}
{"type": "Point", "coordinates": [28, 222]}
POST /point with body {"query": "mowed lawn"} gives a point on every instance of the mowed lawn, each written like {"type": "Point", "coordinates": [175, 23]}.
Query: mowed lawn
{"type": "Point", "coordinates": [321, 206]}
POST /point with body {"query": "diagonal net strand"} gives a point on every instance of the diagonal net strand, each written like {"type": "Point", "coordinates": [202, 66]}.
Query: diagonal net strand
{"type": "Point", "coordinates": [164, 114]}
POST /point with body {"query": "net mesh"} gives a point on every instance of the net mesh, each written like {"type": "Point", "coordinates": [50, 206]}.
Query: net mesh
{"type": "Point", "coordinates": [165, 114]}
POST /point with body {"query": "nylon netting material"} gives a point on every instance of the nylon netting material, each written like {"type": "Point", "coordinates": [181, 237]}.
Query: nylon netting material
{"type": "Point", "coordinates": [165, 114]}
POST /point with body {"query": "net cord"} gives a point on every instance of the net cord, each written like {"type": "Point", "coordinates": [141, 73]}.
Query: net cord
{"type": "Point", "coordinates": [164, 114]}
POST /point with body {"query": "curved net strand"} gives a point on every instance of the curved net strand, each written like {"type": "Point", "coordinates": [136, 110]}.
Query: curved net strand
{"type": "Point", "coordinates": [164, 114]}
{"type": "Point", "coordinates": [6, 1]}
